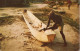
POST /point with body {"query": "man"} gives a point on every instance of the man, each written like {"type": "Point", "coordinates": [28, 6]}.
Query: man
{"type": "Point", "coordinates": [58, 24]}
{"type": "Point", "coordinates": [69, 4]}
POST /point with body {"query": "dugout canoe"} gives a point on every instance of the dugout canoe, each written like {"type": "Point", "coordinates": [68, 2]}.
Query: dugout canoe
{"type": "Point", "coordinates": [34, 25]}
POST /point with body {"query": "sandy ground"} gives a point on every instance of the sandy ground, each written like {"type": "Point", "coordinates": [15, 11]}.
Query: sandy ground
{"type": "Point", "coordinates": [18, 37]}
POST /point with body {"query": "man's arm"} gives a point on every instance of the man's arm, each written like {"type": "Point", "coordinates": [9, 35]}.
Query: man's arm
{"type": "Point", "coordinates": [48, 22]}
{"type": "Point", "coordinates": [49, 19]}
{"type": "Point", "coordinates": [47, 25]}
{"type": "Point", "coordinates": [49, 13]}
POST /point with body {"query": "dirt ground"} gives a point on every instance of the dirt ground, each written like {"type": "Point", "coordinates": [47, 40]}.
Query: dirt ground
{"type": "Point", "coordinates": [17, 36]}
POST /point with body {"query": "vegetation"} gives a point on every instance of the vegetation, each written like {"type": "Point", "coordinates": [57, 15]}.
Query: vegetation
{"type": "Point", "coordinates": [15, 3]}
{"type": "Point", "coordinates": [8, 20]}
{"type": "Point", "coordinates": [68, 20]}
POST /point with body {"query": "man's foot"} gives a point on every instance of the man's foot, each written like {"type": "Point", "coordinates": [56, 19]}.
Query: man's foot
{"type": "Point", "coordinates": [40, 30]}
{"type": "Point", "coordinates": [45, 44]}
{"type": "Point", "coordinates": [65, 44]}
{"type": "Point", "coordinates": [43, 29]}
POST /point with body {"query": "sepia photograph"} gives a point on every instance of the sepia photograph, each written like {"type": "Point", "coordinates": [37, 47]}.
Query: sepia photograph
{"type": "Point", "coordinates": [39, 25]}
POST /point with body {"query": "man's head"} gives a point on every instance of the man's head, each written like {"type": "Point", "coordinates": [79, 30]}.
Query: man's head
{"type": "Point", "coordinates": [24, 11]}
{"type": "Point", "coordinates": [53, 11]}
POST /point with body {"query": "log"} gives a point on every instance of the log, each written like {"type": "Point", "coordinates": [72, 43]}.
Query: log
{"type": "Point", "coordinates": [34, 25]}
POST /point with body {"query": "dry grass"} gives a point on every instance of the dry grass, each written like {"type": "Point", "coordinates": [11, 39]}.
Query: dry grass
{"type": "Point", "coordinates": [6, 20]}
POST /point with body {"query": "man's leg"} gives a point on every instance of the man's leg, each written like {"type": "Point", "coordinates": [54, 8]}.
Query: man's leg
{"type": "Point", "coordinates": [63, 36]}
{"type": "Point", "coordinates": [55, 26]}
{"type": "Point", "coordinates": [69, 6]}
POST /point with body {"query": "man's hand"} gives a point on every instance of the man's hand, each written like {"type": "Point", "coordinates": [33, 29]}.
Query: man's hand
{"type": "Point", "coordinates": [43, 29]}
